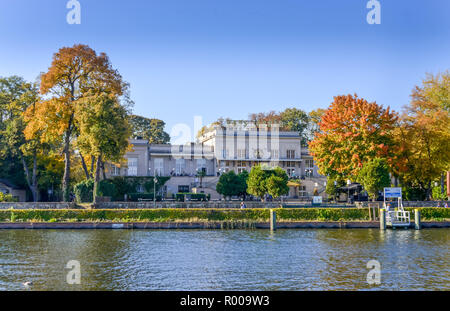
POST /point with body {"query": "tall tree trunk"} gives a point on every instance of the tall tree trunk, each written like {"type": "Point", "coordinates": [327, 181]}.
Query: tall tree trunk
{"type": "Point", "coordinates": [31, 181]}
{"type": "Point", "coordinates": [103, 169]}
{"type": "Point", "coordinates": [66, 177]}
{"type": "Point", "coordinates": [34, 189]}
{"type": "Point", "coordinates": [83, 163]}
{"type": "Point", "coordinates": [91, 174]}
{"type": "Point", "coordinates": [428, 193]}
{"type": "Point", "coordinates": [442, 183]}
{"type": "Point", "coordinates": [97, 178]}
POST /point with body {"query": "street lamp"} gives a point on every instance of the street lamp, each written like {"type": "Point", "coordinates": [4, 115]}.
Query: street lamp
{"type": "Point", "coordinates": [155, 181]}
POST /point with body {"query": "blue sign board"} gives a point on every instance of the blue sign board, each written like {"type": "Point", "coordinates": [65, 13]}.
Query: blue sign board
{"type": "Point", "coordinates": [392, 192]}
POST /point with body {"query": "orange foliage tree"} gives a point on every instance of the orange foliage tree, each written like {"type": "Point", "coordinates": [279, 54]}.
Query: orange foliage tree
{"type": "Point", "coordinates": [75, 72]}
{"type": "Point", "coordinates": [353, 131]}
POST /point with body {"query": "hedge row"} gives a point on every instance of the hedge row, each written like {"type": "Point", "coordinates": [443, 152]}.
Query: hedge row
{"type": "Point", "coordinates": [159, 215]}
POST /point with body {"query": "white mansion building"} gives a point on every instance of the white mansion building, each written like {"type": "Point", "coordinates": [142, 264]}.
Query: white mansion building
{"type": "Point", "coordinates": [221, 149]}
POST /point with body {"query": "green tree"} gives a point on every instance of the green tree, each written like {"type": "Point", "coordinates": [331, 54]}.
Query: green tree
{"type": "Point", "coordinates": [230, 184]}
{"type": "Point", "coordinates": [277, 183]}
{"type": "Point", "coordinates": [333, 186]}
{"type": "Point", "coordinates": [291, 119]}
{"type": "Point", "coordinates": [296, 120]}
{"type": "Point", "coordinates": [104, 130]}
{"type": "Point", "coordinates": [16, 96]}
{"type": "Point", "coordinates": [256, 183]}
{"type": "Point", "coordinates": [262, 181]}
{"type": "Point", "coordinates": [149, 129]}
{"type": "Point", "coordinates": [243, 177]}
{"type": "Point", "coordinates": [374, 176]}
{"type": "Point", "coordinates": [201, 174]}
{"type": "Point", "coordinates": [315, 117]}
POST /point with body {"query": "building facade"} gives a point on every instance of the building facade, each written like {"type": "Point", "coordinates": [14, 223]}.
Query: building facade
{"type": "Point", "coordinates": [220, 149]}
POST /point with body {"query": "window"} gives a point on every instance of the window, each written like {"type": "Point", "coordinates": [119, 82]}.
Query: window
{"type": "Point", "coordinates": [179, 166]}
{"type": "Point", "coordinates": [309, 163]}
{"type": "Point", "coordinates": [274, 154]}
{"type": "Point", "coordinates": [115, 171]}
{"type": "Point", "coordinates": [241, 166]}
{"type": "Point", "coordinates": [241, 153]}
{"type": "Point", "coordinates": [159, 167]}
{"type": "Point", "coordinates": [259, 153]}
{"type": "Point", "coordinates": [290, 154]}
{"type": "Point", "coordinates": [201, 165]}
{"type": "Point", "coordinates": [183, 188]}
{"type": "Point", "coordinates": [291, 172]}
{"type": "Point", "coordinates": [225, 153]}
{"type": "Point", "coordinates": [132, 166]}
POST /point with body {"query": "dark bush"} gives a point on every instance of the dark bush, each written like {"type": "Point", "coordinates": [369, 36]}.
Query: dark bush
{"type": "Point", "coordinates": [134, 197]}
{"type": "Point", "coordinates": [192, 196]}
{"type": "Point", "coordinates": [106, 188]}
{"type": "Point", "coordinates": [84, 191]}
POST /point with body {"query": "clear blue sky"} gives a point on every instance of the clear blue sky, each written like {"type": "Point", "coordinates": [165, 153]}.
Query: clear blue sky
{"type": "Point", "coordinates": [232, 57]}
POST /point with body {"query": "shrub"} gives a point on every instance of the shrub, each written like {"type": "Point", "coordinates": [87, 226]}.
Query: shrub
{"type": "Point", "coordinates": [252, 215]}
{"type": "Point", "coordinates": [7, 198]}
{"type": "Point", "coordinates": [106, 188]}
{"type": "Point", "coordinates": [134, 197]}
{"type": "Point", "coordinates": [192, 196]}
{"type": "Point", "coordinates": [122, 187]}
{"type": "Point", "coordinates": [84, 191]}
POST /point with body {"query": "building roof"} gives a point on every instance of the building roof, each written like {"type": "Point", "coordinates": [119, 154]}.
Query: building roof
{"type": "Point", "coordinates": [8, 184]}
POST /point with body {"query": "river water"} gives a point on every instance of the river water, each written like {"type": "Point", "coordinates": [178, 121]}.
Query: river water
{"type": "Point", "coordinates": [225, 259]}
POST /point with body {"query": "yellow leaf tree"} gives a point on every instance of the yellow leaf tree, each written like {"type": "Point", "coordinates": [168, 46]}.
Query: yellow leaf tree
{"type": "Point", "coordinates": [424, 134]}
{"type": "Point", "coordinates": [75, 72]}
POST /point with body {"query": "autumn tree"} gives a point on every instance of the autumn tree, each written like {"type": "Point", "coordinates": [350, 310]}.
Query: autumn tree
{"type": "Point", "coordinates": [16, 96]}
{"type": "Point", "coordinates": [291, 119]}
{"type": "Point", "coordinates": [103, 130]}
{"type": "Point", "coordinates": [149, 129]}
{"type": "Point", "coordinates": [424, 134]}
{"type": "Point", "coordinates": [75, 72]}
{"type": "Point", "coordinates": [353, 131]}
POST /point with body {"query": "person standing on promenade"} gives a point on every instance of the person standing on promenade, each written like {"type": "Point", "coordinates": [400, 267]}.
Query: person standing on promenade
{"type": "Point", "coordinates": [243, 205]}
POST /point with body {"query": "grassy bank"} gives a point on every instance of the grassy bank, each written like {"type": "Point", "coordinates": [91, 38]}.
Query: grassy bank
{"type": "Point", "coordinates": [204, 215]}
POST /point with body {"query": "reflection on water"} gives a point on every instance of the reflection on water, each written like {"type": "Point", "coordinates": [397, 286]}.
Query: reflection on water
{"type": "Point", "coordinates": [225, 260]}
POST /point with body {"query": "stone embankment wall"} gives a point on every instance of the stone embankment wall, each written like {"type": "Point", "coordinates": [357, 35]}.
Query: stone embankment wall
{"type": "Point", "coordinates": [136, 205]}
{"type": "Point", "coordinates": [221, 204]}
{"type": "Point", "coordinates": [38, 205]}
